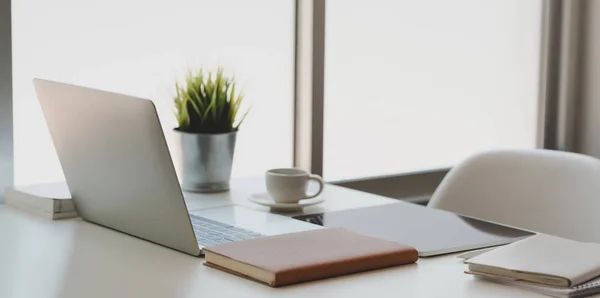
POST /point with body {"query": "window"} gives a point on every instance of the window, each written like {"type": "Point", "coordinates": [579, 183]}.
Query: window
{"type": "Point", "coordinates": [139, 48]}
{"type": "Point", "coordinates": [408, 86]}
{"type": "Point", "coordinates": [420, 85]}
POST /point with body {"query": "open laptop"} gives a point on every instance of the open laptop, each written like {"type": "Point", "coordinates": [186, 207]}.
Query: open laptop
{"type": "Point", "coordinates": [120, 173]}
{"type": "Point", "coordinates": [431, 231]}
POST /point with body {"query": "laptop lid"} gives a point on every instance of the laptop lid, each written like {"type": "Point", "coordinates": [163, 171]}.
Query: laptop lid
{"type": "Point", "coordinates": [430, 231]}
{"type": "Point", "coordinates": [117, 164]}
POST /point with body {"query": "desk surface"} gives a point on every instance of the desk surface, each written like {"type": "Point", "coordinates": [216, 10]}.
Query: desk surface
{"type": "Point", "coordinates": [73, 258]}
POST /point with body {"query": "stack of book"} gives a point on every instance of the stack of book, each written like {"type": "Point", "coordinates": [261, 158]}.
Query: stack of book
{"type": "Point", "coordinates": [52, 201]}
{"type": "Point", "coordinates": [544, 264]}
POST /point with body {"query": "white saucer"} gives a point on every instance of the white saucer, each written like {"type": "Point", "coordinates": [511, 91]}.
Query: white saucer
{"type": "Point", "coordinates": [263, 198]}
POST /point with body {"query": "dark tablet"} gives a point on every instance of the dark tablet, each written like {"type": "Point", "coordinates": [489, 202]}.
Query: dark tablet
{"type": "Point", "coordinates": [431, 231]}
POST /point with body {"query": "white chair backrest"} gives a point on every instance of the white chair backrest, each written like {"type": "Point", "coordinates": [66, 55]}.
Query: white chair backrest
{"type": "Point", "coordinates": [551, 192]}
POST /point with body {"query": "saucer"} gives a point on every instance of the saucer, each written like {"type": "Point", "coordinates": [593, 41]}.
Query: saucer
{"type": "Point", "coordinates": [265, 199]}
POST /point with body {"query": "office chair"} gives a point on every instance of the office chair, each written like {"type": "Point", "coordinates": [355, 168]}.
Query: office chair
{"type": "Point", "coordinates": [545, 191]}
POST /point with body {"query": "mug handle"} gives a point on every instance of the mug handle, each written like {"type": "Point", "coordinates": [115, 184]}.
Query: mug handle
{"type": "Point", "coordinates": [321, 185]}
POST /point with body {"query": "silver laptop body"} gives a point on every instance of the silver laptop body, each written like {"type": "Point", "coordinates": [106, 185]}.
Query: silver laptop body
{"type": "Point", "coordinates": [119, 170]}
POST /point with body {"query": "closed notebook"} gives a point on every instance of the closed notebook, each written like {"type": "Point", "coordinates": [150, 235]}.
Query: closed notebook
{"type": "Point", "coordinates": [541, 260]}
{"type": "Point", "coordinates": [52, 200]}
{"type": "Point", "coordinates": [305, 256]}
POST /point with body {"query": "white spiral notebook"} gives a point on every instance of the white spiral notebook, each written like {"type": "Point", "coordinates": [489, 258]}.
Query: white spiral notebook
{"type": "Point", "coordinates": [589, 288]}
{"type": "Point", "coordinates": [541, 259]}
{"type": "Point", "coordinates": [545, 258]}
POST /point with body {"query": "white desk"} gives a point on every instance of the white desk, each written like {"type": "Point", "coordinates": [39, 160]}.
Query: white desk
{"type": "Point", "coordinates": [75, 259]}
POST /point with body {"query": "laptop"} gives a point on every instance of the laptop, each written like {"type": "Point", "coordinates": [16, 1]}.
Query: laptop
{"type": "Point", "coordinates": [431, 231]}
{"type": "Point", "coordinates": [120, 174]}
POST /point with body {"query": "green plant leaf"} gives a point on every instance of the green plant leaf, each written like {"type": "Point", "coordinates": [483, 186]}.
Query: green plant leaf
{"type": "Point", "coordinates": [209, 85]}
{"type": "Point", "coordinates": [195, 106]}
{"type": "Point", "coordinates": [213, 103]}
{"type": "Point", "coordinates": [207, 103]}
{"type": "Point", "coordinates": [241, 120]}
{"type": "Point", "coordinates": [196, 99]}
{"type": "Point", "coordinates": [180, 109]}
{"type": "Point", "coordinates": [232, 93]}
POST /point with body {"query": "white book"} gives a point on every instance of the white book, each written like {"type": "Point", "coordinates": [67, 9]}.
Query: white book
{"type": "Point", "coordinates": [540, 260]}
{"type": "Point", "coordinates": [52, 200]}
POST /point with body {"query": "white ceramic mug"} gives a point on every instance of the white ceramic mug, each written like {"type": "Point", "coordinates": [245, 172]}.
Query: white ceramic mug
{"type": "Point", "coordinates": [290, 185]}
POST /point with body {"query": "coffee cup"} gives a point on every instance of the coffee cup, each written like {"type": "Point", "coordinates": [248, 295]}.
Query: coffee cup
{"type": "Point", "coordinates": [289, 185]}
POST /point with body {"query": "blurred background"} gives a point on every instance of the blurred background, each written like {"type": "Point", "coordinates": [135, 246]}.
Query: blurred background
{"type": "Point", "coordinates": [383, 96]}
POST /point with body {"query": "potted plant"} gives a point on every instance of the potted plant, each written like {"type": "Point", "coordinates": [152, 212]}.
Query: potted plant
{"type": "Point", "coordinates": [206, 109]}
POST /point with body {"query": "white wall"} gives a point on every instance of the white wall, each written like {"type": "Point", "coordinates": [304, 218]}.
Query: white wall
{"type": "Point", "coordinates": [588, 132]}
{"type": "Point", "coordinates": [6, 131]}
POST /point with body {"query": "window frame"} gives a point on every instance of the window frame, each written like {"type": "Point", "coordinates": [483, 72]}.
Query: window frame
{"type": "Point", "coordinates": [6, 111]}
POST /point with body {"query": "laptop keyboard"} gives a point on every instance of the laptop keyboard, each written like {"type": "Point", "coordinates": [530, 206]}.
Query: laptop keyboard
{"type": "Point", "coordinates": [209, 232]}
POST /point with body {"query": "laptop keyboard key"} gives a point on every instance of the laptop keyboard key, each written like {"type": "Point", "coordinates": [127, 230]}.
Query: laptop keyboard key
{"type": "Point", "coordinates": [246, 237]}
{"type": "Point", "coordinates": [233, 238]}
{"type": "Point", "coordinates": [209, 221]}
{"type": "Point", "coordinates": [213, 237]}
{"type": "Point", "coordinates": [210, 232]}
{"type": "Point", "coordinates": [206, 242]}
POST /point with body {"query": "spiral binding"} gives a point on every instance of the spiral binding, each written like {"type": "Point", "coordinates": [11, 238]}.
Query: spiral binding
{"type": "Point", "coordinates": [586, 289]}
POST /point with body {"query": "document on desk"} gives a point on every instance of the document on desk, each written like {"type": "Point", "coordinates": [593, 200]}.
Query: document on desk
{"type": "Point", "coordinates": [304, 256]}
{"type": "Point", "coordinates": [541, 260]}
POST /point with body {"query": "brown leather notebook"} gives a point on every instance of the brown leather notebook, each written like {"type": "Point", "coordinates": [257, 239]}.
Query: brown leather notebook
{"type": "Point", "coordinates": [298, 257]}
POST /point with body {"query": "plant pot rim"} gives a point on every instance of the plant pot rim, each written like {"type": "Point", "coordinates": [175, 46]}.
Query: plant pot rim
{"type": "Point", "coordinates": [204, 134]}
